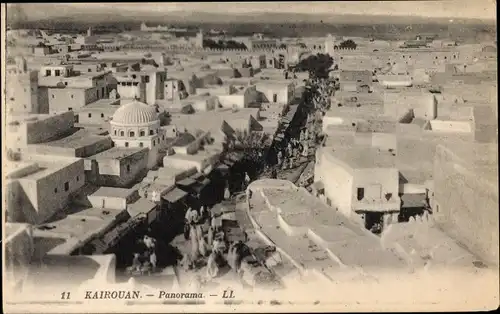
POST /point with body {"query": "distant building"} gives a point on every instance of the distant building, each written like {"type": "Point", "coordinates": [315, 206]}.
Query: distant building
{"type": "Point", "coordinates": [355, 81]}
{"type": "Point", "coordinates": [147, 84]}
{"type": "Point", "coordinates": [41, 50]}
{"type": "Point", "coordinates": [276, 92]}
{"type": "Point", "coordinates": [62, 89]}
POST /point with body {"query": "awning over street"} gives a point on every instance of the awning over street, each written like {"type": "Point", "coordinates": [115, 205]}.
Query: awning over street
{"type": "Point", "coordinates": [197, 176]}
{"type": "Point", "coordinates": [194, 183]}
{"type": "Point", "coordinates": [174, 195]}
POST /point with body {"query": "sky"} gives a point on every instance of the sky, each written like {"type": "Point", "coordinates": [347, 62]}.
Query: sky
{"type": "Point", "coordinates": [459, 9]}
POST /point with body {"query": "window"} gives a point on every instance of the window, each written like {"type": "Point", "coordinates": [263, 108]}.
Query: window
{"type": "Point", "coordinates": [90, 115]}
{"type": "Point", "coordinates": [128, 168]}
{"type": "Point", "coordinates": [89, 70]}
{"type": "Point", "coordinates": [360, 194]}
{"type": "Point", "coordinates": [102, 115]}
{"type": "Point", "coordinates": [156, 131]}
{"type": "Point", "coordinates": [275, 98]}
{"type": "Point", "coordinates": [122, 133]}
{"type": "Point", "coordinates": [66, 83]}
{"type": "Point", "coordinates": [146, 79]}
{"type": "Point", "coordinates": [72, 96]}
{"type": "Point", "coordinates": [141, 144]}
{"type": "Point", "coordinates": [131, 133]}
{"type": "Point", "coordinates": [154, 143]}
{"type": "Point", "coordinates": [115, 132]}
{"type": "Point", "coordinates": [53, 96]}
{"type": "Point", "coordinates": [163, 137]}
{"type": "Point", "coordinates": [55, 190]}
{"type": "Point", "coordinates": [48, 73]}
{"type": "Point", "coordinates": [150, 132]}
{"type": "Point", "coordinates": [126, 144]}
{"type": "Point", "coordinates": [142, 133]}
{"type": "Point", "coordinates": [66, 186]}
{"type": "Point", "coordinates": [57, 72]}
{"type": "Point", "coordinates": [70, 109]}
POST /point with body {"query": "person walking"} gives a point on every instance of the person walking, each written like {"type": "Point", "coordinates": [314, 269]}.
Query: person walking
{"type": "Point", "coordinates": [152, 260]}
{"type": "Point", "coordinates": [227, 193]}
{"type": "Point", "coordinates": [136, 263]}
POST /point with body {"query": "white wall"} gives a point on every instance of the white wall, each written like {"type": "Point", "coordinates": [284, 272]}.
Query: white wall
{"type": "Point", "coordinates": [451, 126]}
{"type": "Point", "coordinates": [337, 181]}
{"type": "Point", "coordinates": [41, 192]}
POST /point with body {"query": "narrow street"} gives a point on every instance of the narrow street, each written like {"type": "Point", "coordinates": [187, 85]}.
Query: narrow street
{"type": "Point", "coordinates": [218, 245]}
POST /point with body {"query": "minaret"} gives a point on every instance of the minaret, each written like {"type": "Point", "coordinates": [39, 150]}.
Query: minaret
{"type": "Point", "coordinates": [329, 45]}
{"type": "Point", "coordinates": [21, 64]}
{"type": "Point", "coordinates": [199, 39]}
{"type": "Point", "coordinates": [89, 32]}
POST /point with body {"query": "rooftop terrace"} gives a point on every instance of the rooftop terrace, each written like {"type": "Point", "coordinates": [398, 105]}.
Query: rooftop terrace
{"type": "Point", "coordinates": [365, 157]}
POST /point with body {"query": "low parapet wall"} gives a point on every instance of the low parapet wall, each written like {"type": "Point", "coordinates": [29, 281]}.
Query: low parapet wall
{"type": "Point", "coordinates": [190, 49]}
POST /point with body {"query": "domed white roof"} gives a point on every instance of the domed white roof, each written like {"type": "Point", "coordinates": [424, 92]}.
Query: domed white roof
{"type": "Point", "coordinates": [135, 113]}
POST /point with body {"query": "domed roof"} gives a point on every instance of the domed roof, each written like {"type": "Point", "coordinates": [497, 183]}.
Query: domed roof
{"type": "Point", "coordinates": [135, 113]}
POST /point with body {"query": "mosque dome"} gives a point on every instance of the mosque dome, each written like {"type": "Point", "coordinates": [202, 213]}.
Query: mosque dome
{"type": "Point", "coordinates": [135, 113]}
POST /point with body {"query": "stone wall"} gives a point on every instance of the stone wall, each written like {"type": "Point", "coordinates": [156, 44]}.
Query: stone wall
{"type": "Point", "coordinates": [466, 204]}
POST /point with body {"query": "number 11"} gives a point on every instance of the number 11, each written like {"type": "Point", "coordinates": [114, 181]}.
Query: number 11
{"type": "Point", "coordinates": [65, 295]}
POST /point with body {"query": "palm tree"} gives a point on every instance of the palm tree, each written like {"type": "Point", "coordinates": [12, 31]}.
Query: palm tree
{"type": "Point", "coordinates": [250, 148]}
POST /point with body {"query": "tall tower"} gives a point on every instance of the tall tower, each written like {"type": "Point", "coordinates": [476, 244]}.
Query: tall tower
{"type": "Point", "coordinates": [22, 88]}
{"type": "Point", "coordinates": [21, 64]}
{"type": "Point", "coordinates": [199, 39]}
{"type": "Point", "coordinates": [329, 45]}
{"type": "Point", "coordinates": [89, 32]}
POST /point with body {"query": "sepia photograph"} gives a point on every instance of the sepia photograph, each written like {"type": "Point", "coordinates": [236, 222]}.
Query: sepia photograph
{"type": "Point", "coordinates": [214, 157]}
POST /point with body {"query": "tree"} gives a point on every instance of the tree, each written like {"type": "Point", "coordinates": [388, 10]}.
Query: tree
{"type": "Point", "coordinates": [250, 147]}
{"type": "Point", "coordinates": [348, 44]}
{"type": "Point", "coordinates": [317, 65]}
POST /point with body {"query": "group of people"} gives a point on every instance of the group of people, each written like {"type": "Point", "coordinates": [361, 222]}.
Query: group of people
{"type": "Point", "coordinates": [147, 261]}
{"type": "Point", "coordinates": [288, 155]}
{"type": "Point", "coordinates": [208, 241]}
